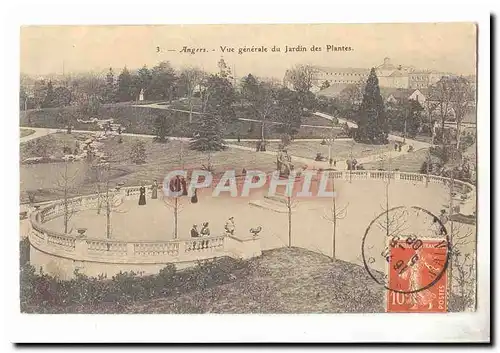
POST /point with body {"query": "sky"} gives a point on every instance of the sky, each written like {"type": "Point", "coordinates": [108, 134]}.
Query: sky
{"type": "Point", "coordinates": [446, 47]}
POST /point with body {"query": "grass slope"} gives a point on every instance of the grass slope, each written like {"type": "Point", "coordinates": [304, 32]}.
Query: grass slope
{"type": "Point", "coordinates": [140, 120]}
{"type": "Point", "coordinates": [26, 132]}
{"type": "Point", "coordinates": [409, 162]}
{"type": "Point", "coordinates": [286, 280]}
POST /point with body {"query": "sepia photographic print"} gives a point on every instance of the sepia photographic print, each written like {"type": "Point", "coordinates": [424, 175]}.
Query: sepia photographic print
{"type": "Point", "coordinates": [249, 169]}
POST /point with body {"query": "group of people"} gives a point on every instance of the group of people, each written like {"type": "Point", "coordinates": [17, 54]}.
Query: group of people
{"type": "Point", "coordinates": [142, 192]}
{"type": "Point", "coordinates": [205, 230]}
{"type": "Point", "coordinates": [398, 147]}
{"type": "Point", "coordinates": [177, 184]}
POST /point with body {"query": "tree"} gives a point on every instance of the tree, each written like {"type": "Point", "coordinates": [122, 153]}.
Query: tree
{"type": "Point", "coordinates": [249, 87]}
{"type": "Point", "coordinates": [301, 77]}
{"type": "Point", "coordinates": [163, 126]}
{"type": "Point", "coordinates": [174, 202]}
{"type": "Point", "coordinates": [62, 97]}
{"type": "Point", "coordinates": [110, 95]}
{"type": "Point", "coordinates": [441, 96]}
{"type": "Point", "coordinates": [463, 95]}
{"type": "Point", "coordinates": [24, 99]}
{"type": "Point", "coordinates": [372, 124]}
{"type": "Point", "coordinates": [405, 116]}
{"type": "Point", "coordinates": [124, 91]}
{"type": "Point", "coordinates": [288, 111]}
{"type": "Point", "coordinates": [413, 121]}
{"type": "Point", "coordinates": [290, 203]}
{"type": "Point", "coordinates": [49, 99]}
{"type": "Point", "coordinates": [208, 137]}
{"type": "Point", "coordinates": [88, 105]}
{"type": "Point", "coordinates": [144, 77]}
{"type": "Point", "coordinates": [262, 98]}
{"type": "Point", "coordinates": [39, 93]}
{"type": "Point", "coordinates": [334, 216]}
{"type": "Point", "coordinates": [162, 82]}
{"type": "Point", "coordinates": [324, 85]}
{"type": "Point", "coordinates": [191, 79]}
{"type": "Point", "coordinates": [66, 182]}
{"type": "Point", "coordinates": [138, 152]}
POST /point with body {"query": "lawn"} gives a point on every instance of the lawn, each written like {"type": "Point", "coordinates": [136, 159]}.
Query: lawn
{"type": "Point", "coordinates": [409, 162]}
{"type": "Point", "coordinates": [52, 144]}
{"type": "Point", "coordinates": [340, 149]}
{"type": "Point", "coordinates": [160, 158]}
{"type": "Point", "coordinates": [140, 120]}
{"type": "Point", "coordinates": [26, 132]}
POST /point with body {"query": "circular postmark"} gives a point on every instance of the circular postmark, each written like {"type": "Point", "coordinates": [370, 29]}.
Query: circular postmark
{"type": "Point", "coordinates": [405, 249]}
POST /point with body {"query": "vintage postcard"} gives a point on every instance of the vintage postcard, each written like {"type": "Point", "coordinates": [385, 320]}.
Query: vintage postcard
{"type": "Point", "coordinates": [248, 169]}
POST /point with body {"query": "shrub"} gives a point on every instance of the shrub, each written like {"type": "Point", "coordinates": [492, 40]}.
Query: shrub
{"type": "Point", "coordinates": [24, 251]}
{"type": "Point", "coordinates": [43, 293]}
{"type": "Point", "coordinates": [138, 152]}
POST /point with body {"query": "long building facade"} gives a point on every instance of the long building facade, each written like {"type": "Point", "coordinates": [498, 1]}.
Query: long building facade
{"type": "Point", "coordinates": [389, 75]}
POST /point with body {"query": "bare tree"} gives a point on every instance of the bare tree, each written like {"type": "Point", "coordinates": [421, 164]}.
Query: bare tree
{"type": "Point", "coordinates": [290, 203]}
{"type": "Point", "coordinates": [105, 197]}
{"type": "Point", "coordinates": [329, 139]}
{"type": "Point", "coordinates": [334, 216]}
{"type": "Point", "coordinates": [301, 77]}
{"type": "Point", "coordinates": [450, 95]}
{"type": "Point", "coordinates": [462, 96]}
{"type": "Point", "coordinates": [175, 204]}
{"type": "Point", "coordinates": [192, 78]}
{"type": "Point", "coordinates": [66, 182]}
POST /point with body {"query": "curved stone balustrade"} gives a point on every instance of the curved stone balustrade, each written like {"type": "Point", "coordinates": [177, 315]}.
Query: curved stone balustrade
{"type": "Point", "coordinates": [85, 249]}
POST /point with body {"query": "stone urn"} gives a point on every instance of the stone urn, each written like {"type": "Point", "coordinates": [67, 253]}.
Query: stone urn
{"type": "Point", "coordinates": [81, 232]}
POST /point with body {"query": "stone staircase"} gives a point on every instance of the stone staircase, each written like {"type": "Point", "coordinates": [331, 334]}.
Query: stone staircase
{"type": "Point", "coordinates": [275, 203]}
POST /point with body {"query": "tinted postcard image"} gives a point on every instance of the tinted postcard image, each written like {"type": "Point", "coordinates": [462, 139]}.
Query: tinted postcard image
{"type": "Point", "coordinates": [326, 168]}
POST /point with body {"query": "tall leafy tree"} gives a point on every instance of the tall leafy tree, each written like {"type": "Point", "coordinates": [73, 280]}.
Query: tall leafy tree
{"type": "Point", "coordinates": [144, 78]}
{"type": "Point", "coordinates": [288, 110]}
{"type": "Point", "coordinates": [208, 136]}
{"type": "Point", "coordinates": [219, 97]}
{"type": "Point", "coordinates": [39, 93]}
{"type": "Point", "coordinates": [49, 100]}
{"type": "Point", "coordinates": [262, 99]}
{"type": "Point", "coordinates": [249, 86]}
{"type": "Point", "coordinates": [413, 117]}
{"type": "Point", "coordinates": [110, 95]}
{"type": "Point", "coordinates": [163, 126]}
{"type": "Point", "coordinates": [162, 82]}
{"type": "Point", "coordinates": [124, 92]}
{"type": "Point", "coordinates": [62, 97]}
{"type": "Point", "coordinates": [372, 123]}
{"type": "Point", "coordinates": [23, 99]}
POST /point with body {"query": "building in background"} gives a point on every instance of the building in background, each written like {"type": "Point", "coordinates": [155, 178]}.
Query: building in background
{"type": "Point", "coordinates": [389, 75]}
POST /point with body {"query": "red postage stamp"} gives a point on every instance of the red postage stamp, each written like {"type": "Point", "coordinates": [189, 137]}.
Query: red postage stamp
{"type": "Point", "coordinates": [417, 276]}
